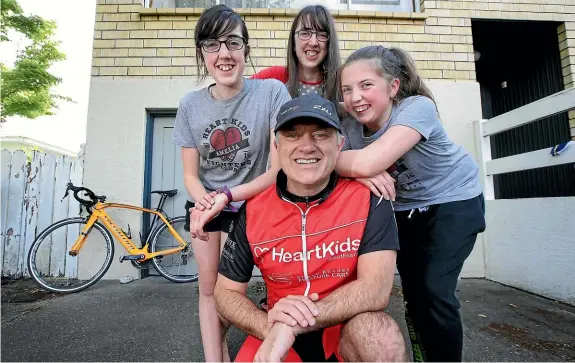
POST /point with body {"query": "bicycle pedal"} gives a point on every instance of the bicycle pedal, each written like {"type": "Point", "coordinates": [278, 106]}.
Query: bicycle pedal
{"type": "Point", "coordinates": [131, 257]}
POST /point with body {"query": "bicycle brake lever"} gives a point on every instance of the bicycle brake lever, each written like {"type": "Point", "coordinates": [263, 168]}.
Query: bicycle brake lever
{"type": "Point", "coordinates": [67, 191]}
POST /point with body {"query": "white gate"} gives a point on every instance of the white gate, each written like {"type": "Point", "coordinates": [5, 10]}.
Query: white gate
{"type": "Point", "coordinates": [32, 188]}
{"type": "Point", "coordinates": [529, 243]}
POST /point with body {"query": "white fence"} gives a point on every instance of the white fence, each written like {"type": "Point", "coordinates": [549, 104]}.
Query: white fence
{"type": "Point", "coordinates": [559, 102]}
{"type": "Point", "coordinates": [529, 243]}
{"type": "Point", "coordinates": [32, 188]}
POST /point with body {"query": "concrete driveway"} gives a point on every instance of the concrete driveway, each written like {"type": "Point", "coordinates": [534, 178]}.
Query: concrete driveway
{"type": "Point", "coordinates": [156, 320]}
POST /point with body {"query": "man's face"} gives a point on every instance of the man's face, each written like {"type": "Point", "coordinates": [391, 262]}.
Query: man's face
{"type": "Point", "coordinates": [308, 153]}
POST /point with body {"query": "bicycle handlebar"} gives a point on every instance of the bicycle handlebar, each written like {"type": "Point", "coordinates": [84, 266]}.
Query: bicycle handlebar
{"type": "Point", "coordinates": [93, 198]}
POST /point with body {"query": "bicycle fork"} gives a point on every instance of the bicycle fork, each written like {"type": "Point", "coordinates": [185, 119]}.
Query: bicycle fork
{"type": "Point", "coordinates": [77, 246]}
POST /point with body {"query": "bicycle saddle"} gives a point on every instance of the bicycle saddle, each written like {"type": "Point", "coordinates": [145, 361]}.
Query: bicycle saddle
{"type": "Point", "coordinates": [169, 193]}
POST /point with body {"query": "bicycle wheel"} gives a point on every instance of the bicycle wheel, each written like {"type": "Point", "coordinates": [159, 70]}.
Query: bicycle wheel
{"type": "Point", "coordinates": [55, 270]}
{"type": "Point", "coordinates": [177, 267]}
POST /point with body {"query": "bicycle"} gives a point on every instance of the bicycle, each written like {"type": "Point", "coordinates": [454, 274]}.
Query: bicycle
{"type": "Point", "coordinates": [67, 238]}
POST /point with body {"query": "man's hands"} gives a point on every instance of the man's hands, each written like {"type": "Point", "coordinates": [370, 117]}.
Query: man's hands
{"type": "Point", "coordinates": [277, 344]}
{"type": "Point", "coordinates": [285, 319]}
{"type": "Point", "coordinates": [204, 211]}
{"type": "Point", "coordinates": [294, 310]}
{"type": "Point", "coordinates": [381, 185]}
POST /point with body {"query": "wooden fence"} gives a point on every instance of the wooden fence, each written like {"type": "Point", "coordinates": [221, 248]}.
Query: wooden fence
{"type": "Point", "coordinates": [32, 188]}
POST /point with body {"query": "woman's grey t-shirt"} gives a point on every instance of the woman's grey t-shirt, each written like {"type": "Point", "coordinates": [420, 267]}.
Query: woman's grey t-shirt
{"type": "Point", "coordinates": [232, 136]}
{"type": "Point", "coordinates": [435, 170]}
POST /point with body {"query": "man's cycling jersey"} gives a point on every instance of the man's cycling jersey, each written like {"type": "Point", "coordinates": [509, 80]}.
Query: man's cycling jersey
{"type": "Point", "coordinates": [311, 244]}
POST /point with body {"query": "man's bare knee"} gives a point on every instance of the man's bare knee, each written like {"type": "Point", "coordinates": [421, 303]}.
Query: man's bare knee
{"type": "Point", "coordinates": [207, 293]}
{"type": "Point", "coordinates": [224, 322]}
{"type": "Point", "coordinates": [372, 337]}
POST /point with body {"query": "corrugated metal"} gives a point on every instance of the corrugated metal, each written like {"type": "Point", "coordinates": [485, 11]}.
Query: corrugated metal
{"type": "Point", "coordinates": [525, 55]}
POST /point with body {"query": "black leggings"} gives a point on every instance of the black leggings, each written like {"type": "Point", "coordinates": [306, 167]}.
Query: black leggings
{"type": "Point", "coordinates": [434, 244]}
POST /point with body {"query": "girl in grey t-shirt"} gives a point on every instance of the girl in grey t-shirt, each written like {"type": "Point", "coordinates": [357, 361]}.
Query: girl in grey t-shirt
{"type": "Point", "coordinates": [439, 205]}
{"type": "Point", "coordinates": [224, 131]}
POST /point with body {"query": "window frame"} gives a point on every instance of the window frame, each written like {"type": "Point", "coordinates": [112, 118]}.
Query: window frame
{"type": "Point", "coordinates": [357, 5]}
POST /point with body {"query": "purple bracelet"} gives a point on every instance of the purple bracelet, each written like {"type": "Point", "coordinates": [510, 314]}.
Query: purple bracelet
{"type": "Point", "coordinates": [229, 207]}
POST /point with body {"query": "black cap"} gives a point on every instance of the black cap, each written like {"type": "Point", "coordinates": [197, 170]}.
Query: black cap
{"type": "Point", "coordinates": [308, 106]}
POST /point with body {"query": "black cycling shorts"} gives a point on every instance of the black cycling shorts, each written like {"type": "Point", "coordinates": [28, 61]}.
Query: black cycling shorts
{"type": "Point", "coordinates": [308, 347]}
{"type": "Point", "coordinates": [223, 222]}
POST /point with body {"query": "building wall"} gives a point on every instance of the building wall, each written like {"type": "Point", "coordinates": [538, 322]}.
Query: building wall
{"type": "Point", "coordinates": [133, 42]}
{"type": "Point", "coordinates": [450, 13]}
{"type": "Point", "coordinates": [115, 146]}
{"type": "Point", "coordinates": [144, 58]}
{"type": "Point", "coordinates": [116, 133]}
{"type": "Point", "coordinates": [529, 245]}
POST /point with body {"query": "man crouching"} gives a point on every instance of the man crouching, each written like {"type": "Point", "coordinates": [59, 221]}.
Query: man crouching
{"type": "Point", "coordinates": [326, 250]}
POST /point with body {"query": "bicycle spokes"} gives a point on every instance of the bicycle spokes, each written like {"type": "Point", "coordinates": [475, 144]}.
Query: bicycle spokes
{"type": "Point", "coordinates": [55, 269]}
{"type": "Point", "coordinates": [179, 266]}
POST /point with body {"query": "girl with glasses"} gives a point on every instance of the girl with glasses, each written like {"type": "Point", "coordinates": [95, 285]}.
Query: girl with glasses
{"type": "Point", "coordinates": [225, 134]}
{"type": "Point", "coordinates": [312, 57]}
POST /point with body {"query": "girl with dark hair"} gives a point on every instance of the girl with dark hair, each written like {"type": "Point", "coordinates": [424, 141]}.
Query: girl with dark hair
{"type": "Point", "coordinates": [439, 202]}
{"type": "Point", "coordinates": [225, 132]}
{"type": "Point", "coordinates": [312, 57]}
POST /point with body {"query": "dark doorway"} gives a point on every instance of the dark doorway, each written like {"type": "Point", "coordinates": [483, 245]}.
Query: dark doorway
{"type": "Point", "coordinates": [518, 63]}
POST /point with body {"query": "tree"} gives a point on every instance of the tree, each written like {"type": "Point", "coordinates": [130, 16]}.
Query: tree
{"type": "Point", "coordinates": [27, 89]}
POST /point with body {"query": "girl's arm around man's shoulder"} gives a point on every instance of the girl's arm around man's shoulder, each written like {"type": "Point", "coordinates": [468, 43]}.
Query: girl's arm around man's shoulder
{"type": "Point", "coordinates": [415, 118]}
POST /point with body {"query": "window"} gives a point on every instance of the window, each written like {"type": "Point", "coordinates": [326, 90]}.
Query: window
{"type": "Point", "coordinates": [368, 5]}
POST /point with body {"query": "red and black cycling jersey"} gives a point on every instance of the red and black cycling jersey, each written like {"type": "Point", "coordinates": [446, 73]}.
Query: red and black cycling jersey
{"type": "Point", "coordinates": [307, 244]}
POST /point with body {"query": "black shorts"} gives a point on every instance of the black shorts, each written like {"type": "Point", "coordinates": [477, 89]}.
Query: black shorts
{"type": "Point", "coordinates": [309, 347]}
{"type": "Point", "coordinates": [223, 222]}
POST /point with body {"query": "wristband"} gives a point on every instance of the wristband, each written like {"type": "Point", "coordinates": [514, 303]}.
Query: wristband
{"type": "Point", "coordinates": [227, 192]}
{"type": "Point", "coordinates": [229, 207]}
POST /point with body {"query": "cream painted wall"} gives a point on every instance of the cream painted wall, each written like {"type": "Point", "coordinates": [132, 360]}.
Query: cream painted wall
{"type": "Point", "coordinates": [115, 142]}
{"type": "Point", "coordinates": [530, 245]}
{"type": "Point", "coordinates": [115, 145]}
{"type": "Point", "coordinates": [459, 104]}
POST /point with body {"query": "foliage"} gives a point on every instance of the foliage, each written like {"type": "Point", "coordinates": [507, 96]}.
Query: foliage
{"type": "Point", "coordinates": [26, 89]}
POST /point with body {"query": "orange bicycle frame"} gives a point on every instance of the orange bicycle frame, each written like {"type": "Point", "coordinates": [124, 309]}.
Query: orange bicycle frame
{"type": "Point", "coordinates": [99, 214]}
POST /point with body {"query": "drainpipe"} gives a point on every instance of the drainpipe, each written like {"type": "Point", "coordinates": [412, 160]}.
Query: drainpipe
{"type": "Point", "coordinates": [416, 6]}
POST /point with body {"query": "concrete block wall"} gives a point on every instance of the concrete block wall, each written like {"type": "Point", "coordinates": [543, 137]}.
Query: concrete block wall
{"type": "Point", "coordinates": [566, 33]}
{"type": "Point", "coordinates": [450, 12]}
{"type": "Point", "coordinates": [133, 42]}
